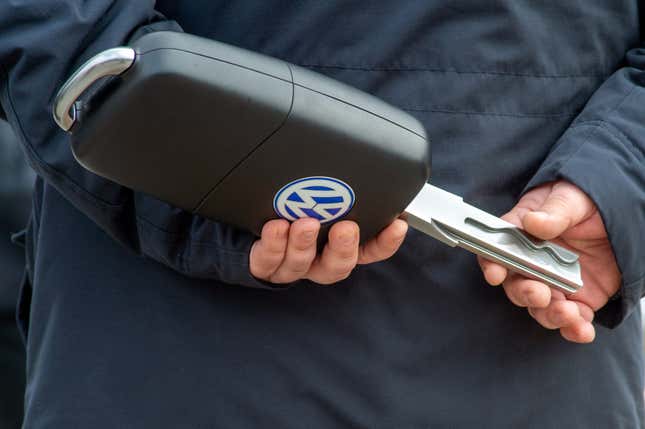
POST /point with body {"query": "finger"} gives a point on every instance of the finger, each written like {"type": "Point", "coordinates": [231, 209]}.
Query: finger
{"type": "Point", "coordinates": [534, 199]}
{"type": "Point", "coordinates": [564, 313]}
{"type": "Point", "coordinates": [385, 244]}
{"type": "Point", "coordinates": [339, 255]}
{"type": "Point", "coordinates": [592, 228]}
{"type": "Point", "coordinates": [268, 252]}
{"type": "Point", "coordinates": [525, 292]}
{"type": "Point", "coordinates": [301, 251]}
{"type": "Point", "coordinates": [586, 311]}
{"type": "Point", "coordinates": [565, 206]}
{"type": "Point", "coordinates": [539, 314]}
{"type": "Point", "coordinates": [581, 332]}
{"type": "Point", "coordinates": [494, 273]}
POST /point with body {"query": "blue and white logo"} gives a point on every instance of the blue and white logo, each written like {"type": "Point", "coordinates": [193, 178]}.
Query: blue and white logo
{"type": "Point", "coordinates": [322, 198]}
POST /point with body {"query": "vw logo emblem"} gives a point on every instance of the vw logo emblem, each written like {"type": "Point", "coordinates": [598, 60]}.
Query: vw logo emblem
{"type": "Point", "coordinates": [322, 198]}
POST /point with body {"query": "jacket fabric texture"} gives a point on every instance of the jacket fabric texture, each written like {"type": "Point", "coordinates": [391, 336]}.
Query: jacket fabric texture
{"type": "Point", "coordinates": [15, 184]}
{"type": "Point", "coordinates": [16, 181]}
{"type": "Point", "coordinates": [138, 314]}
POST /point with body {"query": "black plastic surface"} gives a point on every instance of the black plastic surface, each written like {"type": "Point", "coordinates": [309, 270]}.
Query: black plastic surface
{"type": "Point", "coordinates": [383, 163]}
{"type": "Point", "coordinates": [219, 130]}
{"type": "Point", "coordinates": [178, 122]}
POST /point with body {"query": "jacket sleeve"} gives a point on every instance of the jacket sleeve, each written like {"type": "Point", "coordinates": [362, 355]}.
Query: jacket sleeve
{"type": "Point", "coordinates": [603, 153]}
{"type": "Point", "coordinates": [41, 43]}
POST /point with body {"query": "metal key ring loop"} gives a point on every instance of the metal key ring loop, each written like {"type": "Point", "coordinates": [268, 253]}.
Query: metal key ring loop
{"type": "Point", "coordinates": [107, 63]}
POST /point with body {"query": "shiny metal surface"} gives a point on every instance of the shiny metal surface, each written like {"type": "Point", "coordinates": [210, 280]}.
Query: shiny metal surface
{"type": "Point", "coordinates": [107, 63]}
{"type": "Point", "coordinates": [447, 218]}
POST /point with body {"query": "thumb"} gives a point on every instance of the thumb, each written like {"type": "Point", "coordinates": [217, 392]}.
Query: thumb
{"type": "Point", "coordinates": [564, 207]}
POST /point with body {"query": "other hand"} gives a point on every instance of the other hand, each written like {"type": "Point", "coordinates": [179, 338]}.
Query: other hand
{"type": "Point", "coordinates": [287, 252]}
{"type": "Point", "coordinates": [562, 212]}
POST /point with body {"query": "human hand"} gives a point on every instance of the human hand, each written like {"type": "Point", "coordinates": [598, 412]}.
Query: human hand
{"type": "Point", "coordinates": [287, 252]}
{"type": "Point", "coordinates": [562, 212]}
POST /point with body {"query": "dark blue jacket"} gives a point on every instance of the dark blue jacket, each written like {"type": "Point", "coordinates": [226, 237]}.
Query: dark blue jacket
{"type": "Point", "coordinates": [15, 184]}
{"type": "Point", "coordinates": [16, 181]}
{"type": "Point", "coordinates": [513, 94]}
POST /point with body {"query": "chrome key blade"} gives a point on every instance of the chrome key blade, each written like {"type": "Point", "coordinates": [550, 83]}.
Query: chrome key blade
{"type": "Point", "coordinates": [446, 217]}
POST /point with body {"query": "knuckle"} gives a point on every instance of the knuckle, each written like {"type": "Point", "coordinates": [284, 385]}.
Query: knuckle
{"type": "Point", "coordinates": [343, 244]}
{"type": "Point", "coordinates": [299, 262]}
{"type": "Point", "coordinates": [301, 244]}
{"type": "Point", "coordinates": [303, 241]}
{"type": "Point", "coordinates": [263, 261]}
{"type": "Point", "coordinates": [340, 262]}
{"type": "Point", "coordinates": [558, 201]}
{"type": "Point", "coordinates": [530, 200]}
{"type": "Point", "coordinates": [266, 257]}
{"type": "Point", "coordinates": [558, 314]}
{"type": "Point", "coordinates": [344, 256]}
{"type": "Point", "coordinates": [511, 293]}
{"type": "Point", "coordinates": [297, 270]}
{"type": "Point", "coordinates": [526, 289]}
{"type": "Point", "coordinates": [533, 296]}
{"type": "Point", "coordinates": [268, 246]}
{"type": "Point", "coordinates": [557, 310]}
{"type": "Point", "coordinates": [343, 268]}
{"type": "Point", "coordinates": [275, 230]}
{"type": "Point", "coordinates": [540, 317]}
{"type": "Point", "coordinates": [271, 252]}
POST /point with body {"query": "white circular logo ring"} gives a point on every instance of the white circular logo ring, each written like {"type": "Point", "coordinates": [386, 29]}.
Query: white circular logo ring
{"type": "Point", "coordinates": [319, 197]}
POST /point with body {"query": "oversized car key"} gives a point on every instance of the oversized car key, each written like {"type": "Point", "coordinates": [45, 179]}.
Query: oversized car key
{"type": "Point", "coordinates": [241, 138]}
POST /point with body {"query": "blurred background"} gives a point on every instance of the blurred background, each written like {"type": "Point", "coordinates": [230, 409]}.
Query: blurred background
{"type": "Point", "coordinates": [16, 180]}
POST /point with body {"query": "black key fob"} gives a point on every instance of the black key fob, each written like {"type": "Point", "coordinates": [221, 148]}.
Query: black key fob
{"type": "Point", "coordinates": [240, 137]}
